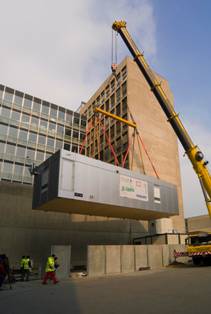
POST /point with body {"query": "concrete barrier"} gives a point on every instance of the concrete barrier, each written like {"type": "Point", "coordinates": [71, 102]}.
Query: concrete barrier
{"type": "Point", "coordinates": [165, 254]}
{"type": "Point", "coordinates": [96, 260]}
{"type": "Point", "coordinates": [127, 258]}
{"type": "Point", "coordinates": [141, 258]}
{"type": "Point", "coordinates": [155, 256]}
{"type": "Point", "coordinates": [113, 259]}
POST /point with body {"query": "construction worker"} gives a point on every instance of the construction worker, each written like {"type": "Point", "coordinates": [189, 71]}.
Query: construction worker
{"type": "Point", "coordinates": [25, 267]}
{"type": "Point", "coordinates": [50, 270]}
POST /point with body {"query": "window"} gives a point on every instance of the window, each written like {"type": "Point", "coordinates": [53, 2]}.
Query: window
{"type": "Point", "coordinates": [67, 146]}
{"type": "Point", "coordinates": [23, 135]}
{"type": "Point", "coordinates": [112, 131]}
{"type": "Point", "coordinates": [21, 151]}
{"type": "Point", "coordinates": [15, 116]}
{"type": "Point", "coordinates": [25, 118]}
{"type": "Point", "coordinates": [53, 112]}
{"type": "Point", "coordinates": [8, 96]}
{"type": "Point", "coordinates": [43, 125]}
{"type": "Point", "coordinates": [5, 112]}
{"type": "Point", "coordinates": [124, 89]}
{"type": "Point", "coordinates": [45, 107]}
{"type": "Point", "coordinates": [59, 145]}
{"type": "Point", "coordinates": [50, 142]}
{"type": "Point", "coordinates": [82, 136]}
{"type": "Point", "coordinates": [18, 170]}
{"type": "Point", "coordinates": [107, 105]}
{"type": "Point", "coordinates": [118, 109]}
{"type": "Point", "coordinates": [13, 132]}
{"type": "Point", "coordinates": [52, 126]}
{"type": "Point", "coordinates": [74, 149]}
{"type": "Point", "coordinates": [69, 116]}
{"type": "Point", "coordinates": [18, 99]}
{"type": "Point", "coordinates": [41, 139]}
{"type": "Point", "coordinates": [7, 167]}
{"type": "Point", "coordinates": [36, 105]}
{"type": "Point", "coordinates": [1, 91]}
{"type": "Point", "coordinates": [124, 105]}
{"type": "Point", "coordinates": [32, 137]}
{"type": "Point", "coordinates": [75, 134]}
{"type": "Point", "coordinates": [34, 121]}
{"type": "Point", "coordinates": [118, 127]}
{"type": "Point", "coordinates": [30, 155]}
{"type": "Point", "coordinates": [76, 121]}
{"type": "Point", "coordinates": [118, 95]}
{"type": "Point", "coordinates": [107, 91]}
{"type": "Point", "coordinates": [112, 102]}
{"type": "Point", "coordinates": [2, 145]}
{"type": "Point", "coordinates": [60, 130]}
{"type": "Point", "coordinates": [61, 114]}
{"type": "Point", "coordinates": [118, 79]}
{"type": "Point", "coordinates": [40, 156]}
{"type": "Point", "coordinates": [68, 132]}
{"type": "Point", "coordinates": [27, 102]}
{"type": "Point", "coordinates": [112, 85]}
{"type": "Point", "coordinates": [83, 123]}
{"type": "Point", "coordinates": [10, 149]}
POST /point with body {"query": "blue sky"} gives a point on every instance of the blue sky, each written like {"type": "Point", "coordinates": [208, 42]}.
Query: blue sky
{"type": "Point", "coordinates": [183, 33]}
{"type": "Point", "coordinates": [61, 51]}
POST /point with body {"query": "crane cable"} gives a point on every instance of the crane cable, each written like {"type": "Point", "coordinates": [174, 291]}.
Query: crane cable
{"type": "Point", "coordinates": [143, 145]}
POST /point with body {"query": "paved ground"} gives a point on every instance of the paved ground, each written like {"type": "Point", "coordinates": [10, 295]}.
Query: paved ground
{"type": "Point", "coordinates": [172, 290]}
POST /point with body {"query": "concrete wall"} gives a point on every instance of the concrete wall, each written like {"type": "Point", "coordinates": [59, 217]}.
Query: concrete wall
{"type": "Point", "coordinates": [25, 231]}
{"type": "Point", "coordinates": [116, 259]}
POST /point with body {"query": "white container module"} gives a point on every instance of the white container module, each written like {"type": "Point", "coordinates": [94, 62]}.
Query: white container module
{"type": "Point", "coordinates": [73, 183]}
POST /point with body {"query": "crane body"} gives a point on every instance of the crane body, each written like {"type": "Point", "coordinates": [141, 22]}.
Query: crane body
{"type": "Point", "coordinates": [193, 152]}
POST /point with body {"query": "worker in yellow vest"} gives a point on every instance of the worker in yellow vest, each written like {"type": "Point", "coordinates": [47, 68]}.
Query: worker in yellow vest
{"type": "Point", "coordinates": [25, 267]}
{"type": "Point", "coordinates": [50, 270]}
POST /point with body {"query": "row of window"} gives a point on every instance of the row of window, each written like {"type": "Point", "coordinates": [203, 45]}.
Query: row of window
{"type": "Point", "coordinates": [34, 104]}
{"type": "Point", "coordinates": [29, 137]}
{"type": "Point", "coordinates": [37, 122]}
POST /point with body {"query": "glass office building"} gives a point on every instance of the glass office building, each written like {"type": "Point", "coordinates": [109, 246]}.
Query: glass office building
{"type": "Point", "coordinates": [31, 130]}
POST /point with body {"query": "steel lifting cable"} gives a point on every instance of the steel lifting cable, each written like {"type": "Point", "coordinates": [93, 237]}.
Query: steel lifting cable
{"type": "Point", "coordinates": [140, 152]}
{"type": "Point", "coordinates": [125, 156]}
{"type": "Point", "coordinates": [133, 146]}
{"type": "Point", "coordinates": [143, 145]}
{"type": "Point", "coordinates": [148, 156]}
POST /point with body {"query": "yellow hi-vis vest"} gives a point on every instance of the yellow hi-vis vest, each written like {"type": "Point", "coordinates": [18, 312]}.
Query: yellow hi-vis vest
{"type": "Point", "coordinates": [50, 265]}
{"type": "Point", "coordinates": [26, 263]}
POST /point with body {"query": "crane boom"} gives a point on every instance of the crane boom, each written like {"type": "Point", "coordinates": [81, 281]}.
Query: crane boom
{"type": "Point", "coordinates": [195, 155]}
